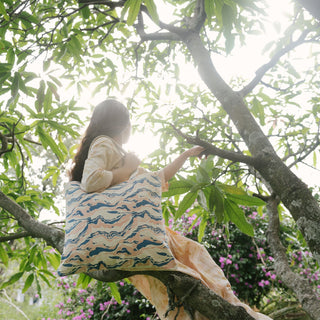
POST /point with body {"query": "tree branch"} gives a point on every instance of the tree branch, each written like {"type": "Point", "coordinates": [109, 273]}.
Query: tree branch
{"type": "Point", "coordinates": [300, 286]}
{"type": "Point", "coordinates": [274, 60]}
{"type": "Point", "coordinates": [14, 236]}
{"type": "Point", "coordinates": [199, 17]}
{"type": "Point", "coordinates": [53, 236]}
{"type": "Point", "coordinates": [111, 4]}
{"type": "Point", "coordinates": [211, 149]}
{"type": "Point", "coordinates": [307, 152]}
{"type": "Point", "coordinates": [201, 298]}
{"type": "Point", "coordinates": [157, 36]}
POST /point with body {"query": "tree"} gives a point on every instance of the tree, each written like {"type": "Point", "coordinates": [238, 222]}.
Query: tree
{"type": "Point", "coordinates": [250, 128]}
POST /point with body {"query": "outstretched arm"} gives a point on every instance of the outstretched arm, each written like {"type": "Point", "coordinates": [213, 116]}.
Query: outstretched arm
{"type": "Point", "coordinates": [171, 169]}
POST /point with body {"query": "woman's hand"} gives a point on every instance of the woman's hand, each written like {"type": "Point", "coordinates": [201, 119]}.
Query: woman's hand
{"type": "Point", "coordinates": [171, 169]}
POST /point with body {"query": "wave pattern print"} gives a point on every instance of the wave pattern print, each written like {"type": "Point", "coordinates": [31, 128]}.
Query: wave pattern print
{"type": "Point", "coordinates": [120, 228]}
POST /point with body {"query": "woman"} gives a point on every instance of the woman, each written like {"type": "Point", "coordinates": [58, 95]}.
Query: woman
{"type": "Point", "coordinates": [101, 163]}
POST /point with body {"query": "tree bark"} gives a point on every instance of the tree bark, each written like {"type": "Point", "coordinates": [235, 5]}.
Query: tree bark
{"type": "Point", "coordinates": [312, 6]}
{"type": "Point", "coordinates": [297, 283]}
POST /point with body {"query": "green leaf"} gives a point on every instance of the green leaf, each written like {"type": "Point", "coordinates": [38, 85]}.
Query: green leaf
{"type": "Point", "coordinates": [54, 90]}
{"type": "Point", "coordinates": [114, 291]}
{"type": "Point", "coordinates": [47, 105]}
{"type": "Point", "coordinates": [31, 18]}
{"type": "Point", "coordinates": [209, 9]}
{"type": "Point", "coordinates": [246, 200]}
{"type": "Point", "coordinates": [202, 199]}
{"type": "Point", "coordinates": [54, 260]}
{"type": "Point", "coordinates": [46, 65]}
{"type": "Point", "coordinates": [23, 199]}
{"type": "Point", "coordinates": [230, 189]}
{"type": "Point", "coordinates": [13, 279]}
{"type": "Point", "coordinates": [238, 217]}
{"type": "Point", "coordinates": [202, 228]}
{"type": "Point", "coordinates": [47, 141]}
{"type": "Point", "coordinates": [15, 85]}
{"type": "Point", "coordinates": [166, 215]}
{"type": "Point", "coordinates": [4, 256]}
{"type": "Point", "coordinates": [177, 187]}
{"type": "Point", "coordinates": [85, 12]}
{"type": "Point", "coordinates": [216, 202]}
{"type": "Point", "coordinates": [28, 282]}
{"type": "Point", "coordinates": [4, 12]}
{"type": "Point", "coordinates": [45, 279]}
{"type": "Point", "coordinates": [32, 253]}
{"type": "Point", "coordinates": [83, 280]}
{"type": "Point", "coordinates": [186, 203]}
{"type": "Point", "coordinates": [134, 8]}
{"type": "Point", "coordinates": [10, 56]}
{"type": "Point", "coordinates": [152, 9]}
{"type": "Point", "coordinates": [202, 175]}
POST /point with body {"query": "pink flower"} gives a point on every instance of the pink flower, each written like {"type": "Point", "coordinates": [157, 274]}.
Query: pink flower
{"type": "Point", "coordinates": [221, 259]}
{"type": "Point", "coordinates": [228, 261]}
{"type": "Point", "coordinates": [121, 283]}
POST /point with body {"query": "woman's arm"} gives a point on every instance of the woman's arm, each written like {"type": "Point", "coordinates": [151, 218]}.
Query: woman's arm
{"type": "Point", "coordinates": [171, 169]}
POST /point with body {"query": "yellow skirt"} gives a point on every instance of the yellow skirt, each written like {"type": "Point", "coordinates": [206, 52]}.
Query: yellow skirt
{"type": "Point", "coordinates": [192, 259]}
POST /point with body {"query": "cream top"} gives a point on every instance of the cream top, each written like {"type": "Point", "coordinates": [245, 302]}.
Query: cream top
{"type": "Point", "coordinates": [104, 155]}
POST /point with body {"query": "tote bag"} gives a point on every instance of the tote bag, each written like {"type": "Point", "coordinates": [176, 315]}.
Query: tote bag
{"type": "Point", "coordinates": [120, 228]}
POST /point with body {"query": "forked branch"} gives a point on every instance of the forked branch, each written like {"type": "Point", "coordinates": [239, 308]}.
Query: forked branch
{"type": "Point", "coordinates": [273, 61]}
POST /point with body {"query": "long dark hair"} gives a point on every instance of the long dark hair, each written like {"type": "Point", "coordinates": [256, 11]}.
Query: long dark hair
{"type": "Point", "coordinates": [109, 118]}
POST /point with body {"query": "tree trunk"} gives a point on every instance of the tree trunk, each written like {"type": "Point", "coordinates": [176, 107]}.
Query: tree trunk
{"type": "Point", "coordinates": [313, 6]}
{"type": "Point", "coordinates": [294, 194]}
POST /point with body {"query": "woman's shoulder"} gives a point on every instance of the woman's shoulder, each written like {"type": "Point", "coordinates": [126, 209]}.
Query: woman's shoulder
{"type": "Point", "coordinates": [105, 142]}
